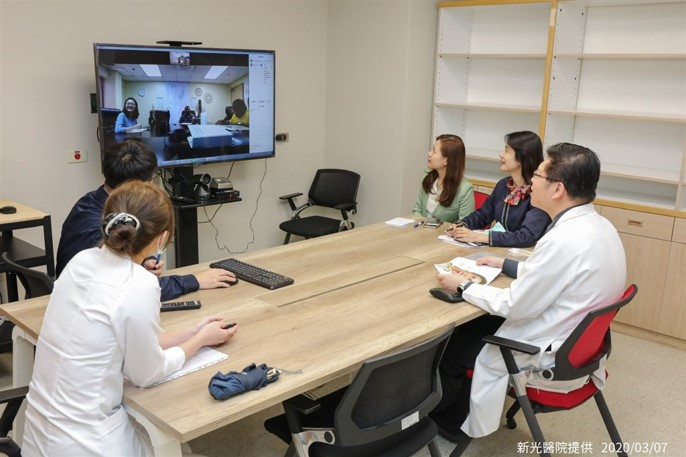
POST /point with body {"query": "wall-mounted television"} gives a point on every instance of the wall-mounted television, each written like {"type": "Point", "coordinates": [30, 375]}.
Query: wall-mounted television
{"type": "Point", "coordinates": [191, 105]}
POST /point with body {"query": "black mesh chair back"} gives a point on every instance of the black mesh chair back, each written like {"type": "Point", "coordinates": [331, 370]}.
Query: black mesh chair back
{"type": "Point", "coordinates": [383, 413]}
{"type": "Point", "coordinates": [389, 389]}
{"type": "Point", "coordinates": [331, 188]}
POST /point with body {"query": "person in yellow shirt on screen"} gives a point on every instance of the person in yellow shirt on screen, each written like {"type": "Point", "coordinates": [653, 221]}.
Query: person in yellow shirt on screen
{"type": "Point", "coordinates": [241, 115]}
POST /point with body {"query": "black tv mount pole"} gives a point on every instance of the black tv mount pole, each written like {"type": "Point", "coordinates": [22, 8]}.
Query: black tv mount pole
{"type": "Point", "coordinates": [179, 43]}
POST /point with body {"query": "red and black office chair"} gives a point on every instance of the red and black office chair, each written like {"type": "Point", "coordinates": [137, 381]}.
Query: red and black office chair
{"type": "Point", "coordinates": [383, 413]}
{"type": "Point", "coordinates": [580, 355]}
{"type": "Point", "coordinates": [331, 188]}
{"type": "Point", "coordinates": [479, 199]}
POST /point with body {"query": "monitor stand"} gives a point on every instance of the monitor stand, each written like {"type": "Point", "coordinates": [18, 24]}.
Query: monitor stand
{"type": "Point", "coordinates": [186, 215]}
{"type": "Point", "coordinates": [186, 233]}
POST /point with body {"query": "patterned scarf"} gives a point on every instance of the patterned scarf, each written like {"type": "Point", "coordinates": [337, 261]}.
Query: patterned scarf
{"type": "Point", "coordinates": [516, 193]}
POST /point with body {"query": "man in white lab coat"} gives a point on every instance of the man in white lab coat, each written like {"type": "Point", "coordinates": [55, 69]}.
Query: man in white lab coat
{"type": "Point", "coordinates": [577, 266]}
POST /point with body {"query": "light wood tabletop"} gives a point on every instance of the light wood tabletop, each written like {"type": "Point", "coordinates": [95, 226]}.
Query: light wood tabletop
{"type": "Point", "coordinates": [24, 213]}
{"type": "Point", "coordinates": [357, 295]}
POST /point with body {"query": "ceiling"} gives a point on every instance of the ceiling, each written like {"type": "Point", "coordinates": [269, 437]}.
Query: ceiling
{"type": "Point", "coordinates": [179, 73]}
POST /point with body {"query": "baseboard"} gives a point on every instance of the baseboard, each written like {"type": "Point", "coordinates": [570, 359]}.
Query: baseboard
{"type": "Point", "coordinates": [647, 335]}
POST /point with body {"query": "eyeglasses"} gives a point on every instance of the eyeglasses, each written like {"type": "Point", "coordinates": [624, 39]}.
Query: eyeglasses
{"type": "Point", "coordinates": [546, 178]}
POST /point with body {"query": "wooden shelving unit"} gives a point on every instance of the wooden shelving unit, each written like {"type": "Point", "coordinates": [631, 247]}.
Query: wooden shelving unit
{"type": "Point", "coordinates": [618, 85]}
{"type": "Point", "coordinates": [606, 74]}
{"type": "Point", "coordinates": [490, 78]}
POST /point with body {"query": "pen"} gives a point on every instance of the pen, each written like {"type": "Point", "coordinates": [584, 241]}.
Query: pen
{"type": "Point", "coordinates": [418, 224]}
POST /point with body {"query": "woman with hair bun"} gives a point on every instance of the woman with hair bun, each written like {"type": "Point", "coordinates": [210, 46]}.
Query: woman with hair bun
{"type": "Point", "coordinates": [102, 326]}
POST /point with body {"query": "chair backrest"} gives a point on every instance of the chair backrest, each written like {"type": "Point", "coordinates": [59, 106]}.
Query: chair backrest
{"type": "Point", "coordinates": [332, 186]}
{"type": "Point", "coordinates": [161, 120]}
{"type": "Point", "coordinates": [35, 283]}
{"type": "Point", "coordinates": [479, 199]}
{"type": "Point", "coordinates": [391, 393]}
{"type": "Point", "coordinates": [109, 118]}
{"type": "Point", "coordinates": [590, 341]}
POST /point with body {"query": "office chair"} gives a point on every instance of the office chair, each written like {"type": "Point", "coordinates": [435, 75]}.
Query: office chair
{"type": "Point", "coordinates": [35, 283]}
{"type": "Point", "coordinates": [109, 119]}
{"type": "Point", "coordinates": [331, 188]}
{"type": "Point", "coordinates": [580, 355]}
{"type": "Point", "coordinates": [479, 199]}
{"type": "Point", "coordinates": [383, 413]}
{"type": "Point", "coordinates": [12, 398]}
{"type": "Point", "coordinates": [159, 122]}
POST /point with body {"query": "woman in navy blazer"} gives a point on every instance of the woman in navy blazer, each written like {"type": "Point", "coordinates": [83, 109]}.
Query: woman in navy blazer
{"type": "Point", "coordinates": [510, 202]}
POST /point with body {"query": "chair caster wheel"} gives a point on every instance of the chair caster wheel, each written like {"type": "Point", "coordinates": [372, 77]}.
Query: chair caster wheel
{"type": "Point", "coordinates": [511, 424]}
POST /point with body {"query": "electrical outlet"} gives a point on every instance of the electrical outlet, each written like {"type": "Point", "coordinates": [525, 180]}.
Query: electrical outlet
{"type": "Point", "coordinates": [77, 156]}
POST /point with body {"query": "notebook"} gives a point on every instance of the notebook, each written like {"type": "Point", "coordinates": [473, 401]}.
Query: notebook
{"type": "Point", "coordinates": [400, 222]}
{"type": "Point", "coordinates": [205, 357]}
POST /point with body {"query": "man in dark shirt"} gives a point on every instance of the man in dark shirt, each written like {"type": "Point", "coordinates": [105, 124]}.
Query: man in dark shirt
{"type": "Point", "coordinates": [81, 229]}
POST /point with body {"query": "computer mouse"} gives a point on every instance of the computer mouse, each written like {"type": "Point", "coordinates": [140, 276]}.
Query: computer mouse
{"type": "Point", "coordinates": [8, 210]}
{"type": "Point", "coordinates": [442, 294]}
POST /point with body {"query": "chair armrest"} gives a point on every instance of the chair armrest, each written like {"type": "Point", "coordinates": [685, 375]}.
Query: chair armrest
{"type": "Point", "coordinates": [511, 344]}
{"type": "Point", "coordinates": [506, 346]}
{"type": "Point", "coordinates": [302, 404]}
{"type": "Point", "coordinates": [294, 406]}
{"type": "Point", "coordinates": [290, 196]}
{"type": "Point", "coordinates": [13, 394]}
{"type": "Point", "coordinates": [346, 206]}
{"type": "Point", "coordinates": [13, 398]}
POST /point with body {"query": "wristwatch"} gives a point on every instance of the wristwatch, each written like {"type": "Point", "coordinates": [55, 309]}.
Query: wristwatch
{"type": "Point", "coordinates": [463, 286]}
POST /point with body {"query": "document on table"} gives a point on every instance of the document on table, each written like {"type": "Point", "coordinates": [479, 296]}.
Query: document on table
{"type": "Point", "coordinates": [451, 240]}
{"type": "Point", "coordinates": [400, 222]}
{"type": "Point", "coordinates": [203, 358]}
{"type": "Point", "coordinates": [481, 274]}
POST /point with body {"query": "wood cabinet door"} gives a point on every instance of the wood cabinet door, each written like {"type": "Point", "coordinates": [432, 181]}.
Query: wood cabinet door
{"type": "Point", "coordinates": [646, 267]}
{"type": "Point", "coordinates": [673, 310]}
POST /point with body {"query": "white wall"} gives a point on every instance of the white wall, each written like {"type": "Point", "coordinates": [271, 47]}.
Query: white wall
{"type": "Point", "coordinates": [354, 83]}
{"type": "Point", "coordinates": [379, 91]}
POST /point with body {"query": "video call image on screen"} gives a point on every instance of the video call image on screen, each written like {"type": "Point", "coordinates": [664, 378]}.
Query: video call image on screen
{"type": "Point", "coordinates": [190, 105]}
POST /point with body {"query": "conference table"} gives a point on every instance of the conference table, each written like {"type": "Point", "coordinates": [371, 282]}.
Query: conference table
{"type": "Point", "coordinates": [357, 294]}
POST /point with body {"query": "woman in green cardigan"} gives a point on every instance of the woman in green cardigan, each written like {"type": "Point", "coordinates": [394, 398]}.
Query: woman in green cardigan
{"type": "Point", "coordinates": [445, 193]}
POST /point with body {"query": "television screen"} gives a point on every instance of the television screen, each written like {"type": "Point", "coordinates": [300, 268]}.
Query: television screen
{"type": "Point", "coordinates": [192, 106]}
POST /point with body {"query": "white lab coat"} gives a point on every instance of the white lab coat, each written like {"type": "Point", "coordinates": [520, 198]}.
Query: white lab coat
{"type": "Point", "coordinates": [577, 266]}
{"type": "Point", "coordinates": [101, 325]}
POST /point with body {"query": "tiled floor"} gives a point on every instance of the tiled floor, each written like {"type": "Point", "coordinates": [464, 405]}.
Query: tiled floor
{"type": "Point", "coordinates": [646, 393]}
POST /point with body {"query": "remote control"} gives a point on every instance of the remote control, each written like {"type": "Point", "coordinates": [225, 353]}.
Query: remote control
{"type": "Point", "coordinates": [180, 305]}
{"type": "Point", "coordinates": [182, 199]}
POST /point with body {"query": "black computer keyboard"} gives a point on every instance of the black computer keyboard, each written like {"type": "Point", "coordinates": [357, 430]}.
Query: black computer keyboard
{"type": "Point", "coordinates": [253, 274]}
